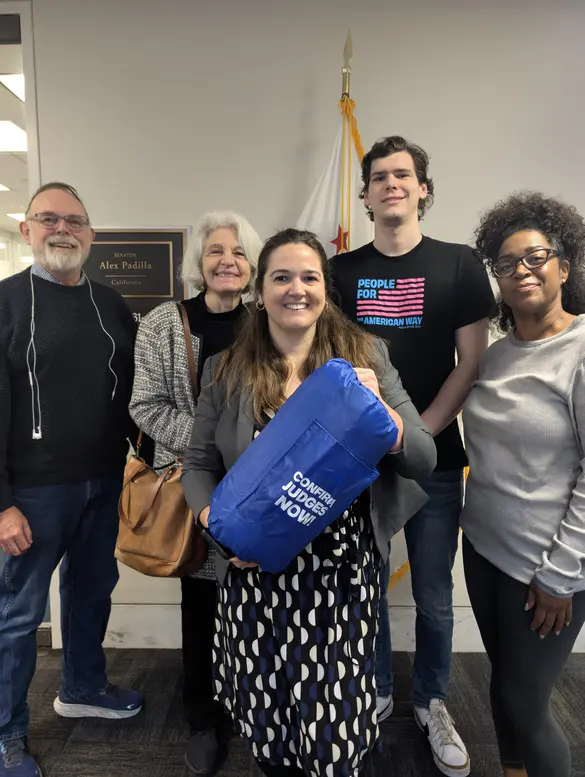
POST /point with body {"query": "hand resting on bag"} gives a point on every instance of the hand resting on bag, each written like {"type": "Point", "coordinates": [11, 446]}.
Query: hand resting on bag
{"type": "Point", "coordinates": [368, 378]}
{"type": "Point", "coordinates": [203, 519]}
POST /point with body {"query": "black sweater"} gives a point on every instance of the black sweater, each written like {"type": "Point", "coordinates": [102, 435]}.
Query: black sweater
{"type": "Point", "coordinates": [216, 330]}
{"type": "Point", "coordinates": [84, 429]}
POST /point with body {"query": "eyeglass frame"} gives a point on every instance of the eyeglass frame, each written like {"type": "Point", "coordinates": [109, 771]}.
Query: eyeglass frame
{"type": "Point", "coordinates": [35, 217]}
{"type": "Point", "coordinates": [549, 252]}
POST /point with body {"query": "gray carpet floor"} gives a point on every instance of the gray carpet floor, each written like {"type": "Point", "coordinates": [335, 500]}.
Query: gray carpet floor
{"type": "Point", "coordinates": [151, 745]}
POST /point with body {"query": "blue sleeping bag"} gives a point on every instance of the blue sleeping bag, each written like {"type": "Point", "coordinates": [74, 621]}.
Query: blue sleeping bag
{"type": "Point", "coordinates": [311, 461]}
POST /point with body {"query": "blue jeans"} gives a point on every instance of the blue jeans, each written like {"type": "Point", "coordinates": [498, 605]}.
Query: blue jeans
{"type": "Point", "coordinates": [431, 540]}
{"type": "Point", "coordinates": [77, 523]}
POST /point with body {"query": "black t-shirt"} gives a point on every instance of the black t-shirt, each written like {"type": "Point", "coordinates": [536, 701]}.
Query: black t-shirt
{"type": "Point", "coordinates": [216, 330]}
{"type": "Point", "coordinates": [417, 302]}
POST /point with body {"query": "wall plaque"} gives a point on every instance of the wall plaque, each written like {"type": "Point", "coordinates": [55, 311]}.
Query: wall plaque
{"type": "Point", "coordinates": [140, 264]}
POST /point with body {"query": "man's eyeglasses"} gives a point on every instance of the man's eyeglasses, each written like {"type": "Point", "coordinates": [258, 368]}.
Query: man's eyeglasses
{"type": "Point", "coordinates": [538, 257]}
{"type": "Point", "coordinates": [49, 220]}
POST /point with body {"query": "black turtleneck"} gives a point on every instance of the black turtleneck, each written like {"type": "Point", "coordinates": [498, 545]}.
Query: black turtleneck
{"type": "Point", "coordinates": [216, 330]}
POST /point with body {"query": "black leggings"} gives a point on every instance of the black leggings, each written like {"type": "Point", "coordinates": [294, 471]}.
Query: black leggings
{"type": "Point", "coordinates": [525, 668]}
{"type": "Point", "coordinates": [198, 609]}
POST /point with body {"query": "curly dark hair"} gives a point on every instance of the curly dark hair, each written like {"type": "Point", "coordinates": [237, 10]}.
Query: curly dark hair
{"type": "Point", "coordinates": [392, 145]}
{"type": "Point", "coordinates": [563, 227]}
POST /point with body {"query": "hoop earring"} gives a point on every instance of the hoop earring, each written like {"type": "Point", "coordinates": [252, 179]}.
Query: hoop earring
{"type": "Point", "coordinates": [259, 305]}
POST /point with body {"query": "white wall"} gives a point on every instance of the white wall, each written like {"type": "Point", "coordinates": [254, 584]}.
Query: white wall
{"type": "Point", "coordinates": [160, 111]}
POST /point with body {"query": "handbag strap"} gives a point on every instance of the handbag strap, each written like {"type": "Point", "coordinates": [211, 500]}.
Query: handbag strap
{"type": "Point", "coordinates": [190, 352]}
{"type": "Point", "coordinates": [149, 503]}
{"type": "Point", "coordinates": [138, 443]}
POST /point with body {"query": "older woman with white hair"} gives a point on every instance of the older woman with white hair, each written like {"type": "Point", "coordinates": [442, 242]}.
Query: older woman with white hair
{"type": "Point", "coordinates": [220, 263]}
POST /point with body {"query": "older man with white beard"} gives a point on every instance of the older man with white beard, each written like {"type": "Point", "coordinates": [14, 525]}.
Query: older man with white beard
{"type": "Point", "coordinates": [66, 370]}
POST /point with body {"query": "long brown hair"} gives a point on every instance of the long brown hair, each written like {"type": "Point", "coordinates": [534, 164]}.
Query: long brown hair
{"type": "Point", "coordinates": [253, 360]}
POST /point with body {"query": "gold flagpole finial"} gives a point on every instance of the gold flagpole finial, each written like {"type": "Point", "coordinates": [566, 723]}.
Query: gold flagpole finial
{"type": "Point", "coordinates": [346, 69]}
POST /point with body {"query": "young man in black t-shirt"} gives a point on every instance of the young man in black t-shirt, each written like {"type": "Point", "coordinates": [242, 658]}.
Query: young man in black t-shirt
{"type": "Point", "coordinates": [430, 300]}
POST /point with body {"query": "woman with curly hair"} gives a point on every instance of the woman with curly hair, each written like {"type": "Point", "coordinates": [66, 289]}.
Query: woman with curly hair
{"type": "Point", "coordinates": [524, 515]}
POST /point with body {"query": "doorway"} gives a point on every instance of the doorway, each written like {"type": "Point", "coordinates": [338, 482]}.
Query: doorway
{"type": "Point", "coordinates": [19, 158]}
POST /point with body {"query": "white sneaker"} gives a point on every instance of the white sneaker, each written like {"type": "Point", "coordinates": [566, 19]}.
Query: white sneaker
{"type": "Point", "coordinates": [449, 752]}
{"type": "Point", "coordinates": [384, 707]}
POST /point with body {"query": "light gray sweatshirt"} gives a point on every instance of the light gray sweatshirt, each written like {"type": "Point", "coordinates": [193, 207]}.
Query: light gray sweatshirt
{"type": "Point", "coordinates": [524, 422]}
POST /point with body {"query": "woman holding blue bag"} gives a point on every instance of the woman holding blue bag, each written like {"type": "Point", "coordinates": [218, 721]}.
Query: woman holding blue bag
{"type": "Point", "coordinates": [294, 650]}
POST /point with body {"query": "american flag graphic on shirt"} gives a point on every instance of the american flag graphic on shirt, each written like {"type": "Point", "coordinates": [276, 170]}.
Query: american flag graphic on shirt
{"type": "Point", "coordinates": [391, 302]}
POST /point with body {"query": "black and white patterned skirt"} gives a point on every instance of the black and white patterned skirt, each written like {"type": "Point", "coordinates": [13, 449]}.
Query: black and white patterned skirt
{"type": "Point", "coordinates": [294, 653]}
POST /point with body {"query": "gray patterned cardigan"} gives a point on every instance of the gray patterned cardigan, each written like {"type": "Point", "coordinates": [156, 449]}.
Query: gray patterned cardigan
{"type": "Point", "coordinates": [162, 403]}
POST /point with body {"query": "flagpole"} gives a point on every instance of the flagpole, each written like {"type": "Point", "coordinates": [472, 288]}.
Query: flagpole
{"type": "Point", "coordinates": [347, 105]}
{"type": "Point", "coordinates": [345, 146]}
{"type": "Point", "coordinates": [346, 69]}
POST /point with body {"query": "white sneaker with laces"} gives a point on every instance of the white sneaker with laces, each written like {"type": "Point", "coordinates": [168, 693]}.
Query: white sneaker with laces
{"type": "Point", "coordinates": [449, 753]}
{"type": "Point", "coordinates": [384, 707]}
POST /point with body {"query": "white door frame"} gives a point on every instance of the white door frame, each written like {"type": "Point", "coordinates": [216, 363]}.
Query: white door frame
{"type": "Point", "coordinates": [24, 9]}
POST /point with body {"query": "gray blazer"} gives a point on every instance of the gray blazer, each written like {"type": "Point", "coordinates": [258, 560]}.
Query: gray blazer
{"type": "Point", "coordinates": [223, 430]}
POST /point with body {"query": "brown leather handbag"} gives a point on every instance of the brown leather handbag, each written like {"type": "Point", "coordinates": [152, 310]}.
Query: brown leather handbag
{"type": "Point", "coordinates": [157, 534]}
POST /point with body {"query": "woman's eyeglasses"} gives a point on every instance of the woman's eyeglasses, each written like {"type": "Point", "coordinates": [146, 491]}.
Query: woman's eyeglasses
{"type": "Point", "coordinates": [538, 257]}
